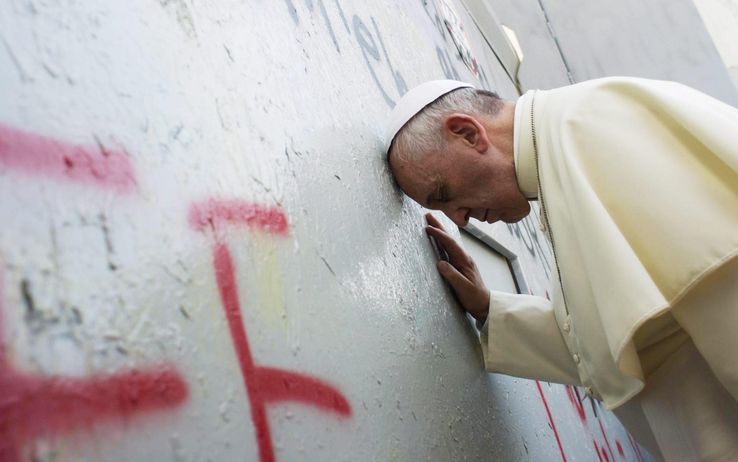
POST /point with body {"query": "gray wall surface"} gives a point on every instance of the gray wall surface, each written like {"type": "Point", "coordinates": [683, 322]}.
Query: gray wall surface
{"type": "Point", "coordinates": [203, 256]}
{"type": "Point", "coordinates": [661, 39]}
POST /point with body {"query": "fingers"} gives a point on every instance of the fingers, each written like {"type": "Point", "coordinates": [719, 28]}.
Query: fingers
{"type": "Point", "coordinates": [455, 252]}
{"type": "Point", "coordinates": [433, 221]}
{"type": "Point", "coordinates": [458, 282]}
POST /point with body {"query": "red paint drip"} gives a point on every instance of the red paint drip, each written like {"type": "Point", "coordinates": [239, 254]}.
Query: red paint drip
{"type": "Point", "coordinates": [41, 155]}
{"type": "Point", "coordinates": [636, 448]}
{"type": "Point", "coordinates": [576, 403]}
{"type": "Point", "coordinates": [551, 421]}
{"type": "Point", "coordinates": [214, 213]}
{"type": "Point", "coordinates": [3, 347]}
{"type": "Point", "coordinates": [620, 449]}
{"type": "Point", "coordinates": [265, 385]}
{"type": "Point", "coordinates": [34, 406]}
{"type": "Point", "coordinates": [607, 442]}
{"type": "Point", "coordinates": [597, 451]}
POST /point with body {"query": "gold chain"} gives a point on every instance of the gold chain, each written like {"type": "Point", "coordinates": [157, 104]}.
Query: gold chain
{"type": "Point", "coordinates": [543, 205]}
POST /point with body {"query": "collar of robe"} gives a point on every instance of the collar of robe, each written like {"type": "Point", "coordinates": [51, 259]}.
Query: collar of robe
{"type": "Point", "coordinates": [523, 151]}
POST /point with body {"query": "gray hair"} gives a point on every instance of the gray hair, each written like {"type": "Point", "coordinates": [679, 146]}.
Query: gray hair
{"type": "Point", "coordinates": [422, 133]}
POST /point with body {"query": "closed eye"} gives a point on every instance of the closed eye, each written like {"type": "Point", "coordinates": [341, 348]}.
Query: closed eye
{"type": "Point", "coordinates": [443, 194]}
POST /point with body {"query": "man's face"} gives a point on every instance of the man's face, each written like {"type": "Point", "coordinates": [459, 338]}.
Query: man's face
{"type": "Point", "coordinates": [469, 179]}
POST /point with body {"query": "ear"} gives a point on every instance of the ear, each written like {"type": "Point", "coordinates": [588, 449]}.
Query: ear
{"type": "Point", "coordinates": [468, 130]}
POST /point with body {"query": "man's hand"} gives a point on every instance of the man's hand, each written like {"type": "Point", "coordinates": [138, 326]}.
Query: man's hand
{"type": "Point", "coordinates": [460, 271]}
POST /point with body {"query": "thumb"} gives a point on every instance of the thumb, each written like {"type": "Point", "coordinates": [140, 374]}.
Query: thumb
{"type": "Point", "coordinates": [452, 275]}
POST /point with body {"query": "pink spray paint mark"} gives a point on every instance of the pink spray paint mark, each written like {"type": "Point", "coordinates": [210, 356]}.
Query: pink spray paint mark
{"type": "Point", "coordinates": [214, 213]}
{"type": "Point", "coordinates": [620, 449]}
{"type": "Point", "coordinates": [576, 403]}
{"type": "Point", "coordinates": [636, 448]}
{"type": "Point", "coordinates": [604, 452]}
{"type": "Point", "coordinates": [264, 385]}
{"type": "Point", "coordinates": [34, 406]}
{"type": "Point", "coordinates": [548, 411]}
{"type": "Point", "coordinates": [607, 441]}
{"type": "Point", "coordinates": [551, 421]}
{"type": "Point", "coordinates": [35, 154]}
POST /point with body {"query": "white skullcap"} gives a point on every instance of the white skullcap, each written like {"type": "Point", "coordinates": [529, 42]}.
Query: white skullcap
{"type": "Point", "coordinates": [415, 101]}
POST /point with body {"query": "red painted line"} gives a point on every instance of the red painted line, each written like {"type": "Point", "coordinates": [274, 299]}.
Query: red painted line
{"type": "Point", "coordinates": [213, 213]}
{"type": "Point", "coordinates": [551, 421]}
{"type": "Point", "coordinates": [34, 406]}
{"type": "Point", "coordinates": [43, 406]}
{"type": "Point", "coordinates": [597, 450]}
{"type": "Point", "coordinates": [607, 442]}
{"type": "Point", "coordinates": [576, 403]}
{"type": "Point", "coordinates": [225, 277]}
{"type": "Point", "coordinates": [279, 385]}
{"type": "Point", "coordinates": [266, 385]}
{"type": "Point", "coordinates": [40, 155]}
{"type": "Point", "coordinates": [620, 449]}
{"type": "Point", "coordinates": [3, 347]}
{"type": "Point", "coordinates": [636, 448]}
{"type": "Point", "coordinates": [38, 407]}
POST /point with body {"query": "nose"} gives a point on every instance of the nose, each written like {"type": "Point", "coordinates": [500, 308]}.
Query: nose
{"type": "Point", "coordinates": [460, 216]}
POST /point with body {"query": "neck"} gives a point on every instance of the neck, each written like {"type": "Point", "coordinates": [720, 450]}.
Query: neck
{"type": "Point", "coordinates": [500, 129]}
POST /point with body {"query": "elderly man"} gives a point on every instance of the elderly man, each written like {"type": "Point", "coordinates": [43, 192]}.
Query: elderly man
{"type": "Point", "coordinates": [637, 182]}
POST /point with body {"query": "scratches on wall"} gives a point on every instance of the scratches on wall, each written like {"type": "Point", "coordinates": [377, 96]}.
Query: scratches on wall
{"type": "Point", "coordinates": [182, 13]}
{"type": "Point", "coordinates": [109, 249]}
{"type": "Point", "coordinates": [22, 73]}
{"type": "Point", "coordinates": [35, 406]}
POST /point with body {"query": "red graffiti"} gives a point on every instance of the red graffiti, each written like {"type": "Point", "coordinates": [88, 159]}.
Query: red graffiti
{"type": "Point", "coordinates": [264, 385]}
{"type": "Point", "coordinates": [551, 421]}
{"type": "Point", "coordinates": [215, 213]}
{"type": "Point", "coordinates": [605, 452]}
{"type": "Point", "coordinates": [41, 155]}
{"type": "Point", "coordinates": [620, 449]}
{"type": "Point", "coordinates": [607, 441]}
{"type": "Point", "coordinates": [34, 406]}
{"type": "Point", "coordinates": [636, 448]}
{"type": "Point", "coordinates": [576, 403]}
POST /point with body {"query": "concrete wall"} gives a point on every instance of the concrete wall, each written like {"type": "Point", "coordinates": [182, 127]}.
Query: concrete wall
{"type": "Point", "coordinates": [568, 41]}
{"type": "Point", "coordinates": [203, 257]}
{"type": "Point", "coordinates": [721, 20]}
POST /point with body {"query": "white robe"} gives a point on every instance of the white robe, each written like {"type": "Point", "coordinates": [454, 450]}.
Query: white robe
{"type": "Point", "coordinates": [639, 181]}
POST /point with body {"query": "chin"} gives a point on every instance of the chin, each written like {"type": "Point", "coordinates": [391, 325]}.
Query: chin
{"type": "Point", "coordinates": [516, 218]}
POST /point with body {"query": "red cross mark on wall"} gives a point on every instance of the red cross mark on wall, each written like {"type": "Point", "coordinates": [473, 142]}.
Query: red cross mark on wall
{"type": "Point", "coordinates": [34, 406]}
{"type": "Point", "coordinates": [264, 385]}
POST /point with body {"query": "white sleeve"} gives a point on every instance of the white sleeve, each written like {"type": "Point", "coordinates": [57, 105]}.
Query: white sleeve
{"type": "Point", "coordinates": [521, 338]}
